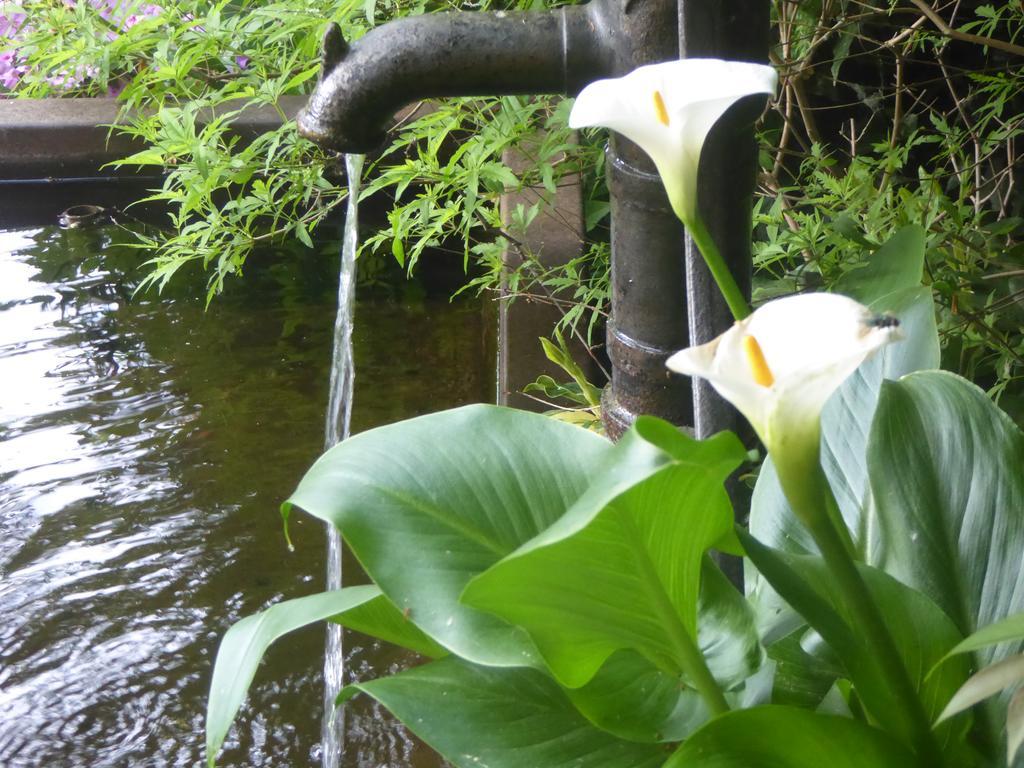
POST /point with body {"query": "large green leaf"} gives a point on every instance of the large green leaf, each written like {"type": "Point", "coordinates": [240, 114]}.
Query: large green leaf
{"type": "Point", "coordinates": [501, 718]}
{"type": "Point", "coordinates": [787, 737]}
{"type": "Point", "coordinates": [427, 504]}
{"type": "Point", "coordinates": [920, 629]}
{"type": "Point", "coordinates": [621, 569]}
{"type": "Point", "coordinates": [245, 643]}
{"type": "Point", "coordinates": [946, 475]}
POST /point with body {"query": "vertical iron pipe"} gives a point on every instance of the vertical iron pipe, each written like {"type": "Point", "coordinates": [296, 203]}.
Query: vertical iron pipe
{"type": "Point", "coordinates": [737, 30]}
{"type": "Point", "coordinates": [648, 297]}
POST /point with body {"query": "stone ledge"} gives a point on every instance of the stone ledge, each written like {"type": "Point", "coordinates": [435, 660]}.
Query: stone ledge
{"type": "Point", "coordinates": [70, 138]}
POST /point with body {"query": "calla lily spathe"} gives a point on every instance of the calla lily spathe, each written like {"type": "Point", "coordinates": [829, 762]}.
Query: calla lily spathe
{"type": "Point", "coordinates": [780, 365]}
{"type": "Point", "coordinates": [668, 110]}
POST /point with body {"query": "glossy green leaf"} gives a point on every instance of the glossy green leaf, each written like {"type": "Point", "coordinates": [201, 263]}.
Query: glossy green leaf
{"type": "Point", "coordinates": [989, 681]}
{"type": "Point", "coordinates": [632, 699]}
{"type": "Point", "coordinates": [501, 718]}
{"type": "Point", "coordinates": [244, 644]}
{"type": "Point", "coordinates": [726, 627]}
{"type": "Point", "coordinates": [788, 737]}
{"type": "Point", "coordinates": [427, 504]}
{"type": "Point", "coordinates": [621, 570]}
{"type": "Point", "coordinates": [946, 477]}
{"type": "Point", "coordinates": [801, 680]}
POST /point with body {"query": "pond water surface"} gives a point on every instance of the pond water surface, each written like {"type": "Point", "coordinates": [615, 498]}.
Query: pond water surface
{"type": "Point", "coordinates": [145, 445]}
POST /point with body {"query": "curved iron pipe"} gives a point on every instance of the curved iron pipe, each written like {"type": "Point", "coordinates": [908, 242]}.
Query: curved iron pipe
{"type": "Point", "coordinates": [454, 54]}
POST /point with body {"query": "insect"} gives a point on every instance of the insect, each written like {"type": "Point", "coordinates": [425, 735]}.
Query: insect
{"type": "Point", "coordinates": [882, 321]}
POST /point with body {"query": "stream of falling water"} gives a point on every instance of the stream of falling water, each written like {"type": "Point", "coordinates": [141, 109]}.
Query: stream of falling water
{"type": "Point", "coordinates": [339, 411]}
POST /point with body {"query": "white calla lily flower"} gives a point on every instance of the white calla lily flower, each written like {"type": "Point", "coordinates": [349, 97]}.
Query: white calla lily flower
{"type": "Point", "coordinates": [668, 110]}
{"type": "Point", "coordinates": [780, 365]}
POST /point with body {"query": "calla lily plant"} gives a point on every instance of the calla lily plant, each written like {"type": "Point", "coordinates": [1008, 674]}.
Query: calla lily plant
{"type": "Point", "coordinates": [668, 110]}
{"type": "Point", "coordinates": [779, 365]}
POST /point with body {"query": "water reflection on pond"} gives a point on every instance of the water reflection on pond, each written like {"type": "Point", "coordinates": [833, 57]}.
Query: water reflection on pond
{"type": "Point", "coordinates": [144, 448]}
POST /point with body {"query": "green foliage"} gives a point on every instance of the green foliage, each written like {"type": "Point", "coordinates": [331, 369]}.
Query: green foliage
{"type": "Point", "coordinates": [611, 576]}
{"type": "Point", "coordinates": [889, 116]}
{"type": "Point", "coordinates": [190, 71]}
{"type": "Point", "coordinates": [584, 397]}
{"type": "Point", "coordinates": [446, 171]}
{"type": "Point", "coordinates": [884, 119]}
{"type": "Point", "coordinates": [569, 578]}
{"type": "Point", "coordinates": [186, 76]}
{"type": "Point", "coordinates": [958, 484]}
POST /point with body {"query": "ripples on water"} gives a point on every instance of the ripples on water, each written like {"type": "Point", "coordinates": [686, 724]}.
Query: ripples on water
{"type": "Point", "coordinates": [144, 448]}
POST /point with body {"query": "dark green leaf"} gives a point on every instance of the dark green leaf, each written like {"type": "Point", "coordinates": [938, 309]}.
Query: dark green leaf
{"type": "Point", "coordinates": [633, 699]}
{"type": "Point", "coordinates": [501, 718]}
{"type": "Point", "coordinates": [801, 680]}
{"type": "Point", "coordinates": [787, 737]}
{"type": "Point", "coordinates": [427, 504]}
{"type": "Point", "coordinates": [621, 570]}
{"type": "Point", "coordinates": [921, 631]}
{"type": "Point", "coordinates": [946, 477]}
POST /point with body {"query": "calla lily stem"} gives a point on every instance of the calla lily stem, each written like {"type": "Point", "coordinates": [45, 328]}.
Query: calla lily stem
{"type": "Point", "coordinates": [719, 270]}
{"type": "Point", "coordinates": [863, 609]}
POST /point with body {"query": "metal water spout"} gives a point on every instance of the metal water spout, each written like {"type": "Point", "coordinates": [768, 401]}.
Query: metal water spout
{"type": "Point", "coordinates": [558, 51]}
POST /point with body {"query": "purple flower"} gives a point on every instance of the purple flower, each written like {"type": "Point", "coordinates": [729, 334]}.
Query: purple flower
{"type": "Point", "coordinates": [67, 80]}
{"type": "Point", "coordinates": [9, 25]}
{"type": "Point", "coordinates": [242, 61]}
{"type": "Point", "coordinates": [10, 68]}
{"type": "Point", "coordinates": [121, 15]}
